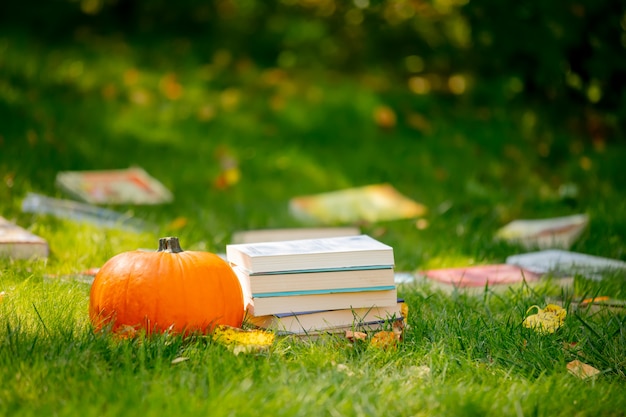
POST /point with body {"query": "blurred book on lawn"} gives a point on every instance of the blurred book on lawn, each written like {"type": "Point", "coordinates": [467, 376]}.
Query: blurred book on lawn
{"type": "Point", "coordinates": [294, 233]}
{"type": "Point", "coordinates": [120, 186]}
{"type": "Point", "coordinates": [370, 203]}
{"type": "Point", "coordinates": [364, 318]}
{"type": "Point", "coordinates": [18, 243]}
{"type": "Point", "coordinates": [566, 263]}
{"type": "Point", "coordinates": [73, 210]}
{"type": "Point", "coordinates": [556, 232]}
{"type": "Point", "coordinates": [476, 278]}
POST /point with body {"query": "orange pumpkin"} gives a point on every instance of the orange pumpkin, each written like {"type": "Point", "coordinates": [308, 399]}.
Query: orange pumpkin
{"type": "Point", "coordinates": [168, 290]}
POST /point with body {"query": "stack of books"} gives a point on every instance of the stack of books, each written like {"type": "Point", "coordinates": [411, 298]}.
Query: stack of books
{"type": "Point", "coordinates": [309, 286]}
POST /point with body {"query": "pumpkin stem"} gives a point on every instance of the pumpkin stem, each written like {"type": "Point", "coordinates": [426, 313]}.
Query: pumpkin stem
{"type": "Point", "coordinates": [169, 244]}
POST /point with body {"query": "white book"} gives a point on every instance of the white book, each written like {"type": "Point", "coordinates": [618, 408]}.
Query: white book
{"type": "Point", "coordinates": [347, 252]}
{"type": "Point", "coordinates": [116, 186]}
{"type": "Point", "coordinates": [314, 321]}
{"type": "Point", "coordinates": [316, 280]}
{"type": "Point", "coordinates": [18, 243]}
{"type": "Point", "coordinates": [556, 232]}
{"type": "Point", "coordinates": [293, 233]}
{"type": "Point", "coordinates": [262, 306]}
{"type": "Point", "coordinates": [566, 263]}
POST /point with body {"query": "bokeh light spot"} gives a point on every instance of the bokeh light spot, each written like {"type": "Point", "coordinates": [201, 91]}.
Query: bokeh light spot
{"type": "Point", "coordinates": [419, 85]}
{"type": "Point", "coordinates": [457, 84]}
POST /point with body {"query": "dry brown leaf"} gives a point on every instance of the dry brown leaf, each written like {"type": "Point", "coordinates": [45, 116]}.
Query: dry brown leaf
{"type": "Point", "coordinates": [352, 335]}
{"type": "Point", "coordinates": [581, 369]}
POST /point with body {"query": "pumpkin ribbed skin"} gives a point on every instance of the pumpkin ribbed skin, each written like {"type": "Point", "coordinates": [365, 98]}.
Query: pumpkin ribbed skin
{"type": "Point", "coordinates": [181, 292]}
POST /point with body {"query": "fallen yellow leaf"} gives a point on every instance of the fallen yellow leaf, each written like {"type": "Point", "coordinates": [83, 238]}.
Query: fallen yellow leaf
{"type": "Point", "coordinates": [546, 320]}
{"type": "Point", "coordinates": [404, 309]}
{"type": "Point", "coordinates": [243, 341]}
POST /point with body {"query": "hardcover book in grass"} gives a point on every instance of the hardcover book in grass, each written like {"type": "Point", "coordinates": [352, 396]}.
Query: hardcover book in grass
{"type": "Point", "coordinates": [347, 252]}
{"type": "Point", "coordinates": [316, 281]}
{"type": "Point", "coordinates": [314, 321]}
{"type": "Point", "coordinates": [557, 232]}
{"type": "Point", "coordinates": [117, 186]}
{"type": "Point", "coordinates": [566, 263]}
{"type": "Point", "coordinates": [478, 277]}
{"type": "Point", "coordinates": [18, 243]}
{"type": "Point", "coordinates": [338, 299]}
{"type": "Point", "coordinates": [372, 203]}
{"type": "Point", "coordinates": [292, 233]}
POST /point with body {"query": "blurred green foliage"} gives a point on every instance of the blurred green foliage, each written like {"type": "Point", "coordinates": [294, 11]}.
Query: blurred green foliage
{"type": "Point", "coordinates": [567, 53]}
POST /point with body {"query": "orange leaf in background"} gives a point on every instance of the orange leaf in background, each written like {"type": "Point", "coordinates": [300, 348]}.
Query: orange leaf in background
{"type": "Point", "coordinates": [230, 174]}
{"type": "Point", "coordinates": [418, 122]}
{"type": "Point", "coordinates": [2, 295]}
{"type": "Point", "coordinates": [594, 300]}
{"type": "Point", "coordinates": [421, 224]}
{"type": "Point", "coordinates": [170, 87]}
{"type": "Point", "coordinates": [273, 76]}
{"type": "Point", "coordinates": [227, 178]}
{"type": "Point", "coordinates": [385, 117]}
{"type": "Point", "coordinates": [206, 113]}
{"type": "Point", "coordinates": [581, 370]}
{"type": "Point", "coordinates": [178, 223]}
{"type": "Point", "coordinates": [131, 76]}
{"type": "Point", "coordinates": [109, 91]}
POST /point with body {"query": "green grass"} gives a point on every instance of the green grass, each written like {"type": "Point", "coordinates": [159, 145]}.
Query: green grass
{"type": "Point", "coordinates": [477, 164]}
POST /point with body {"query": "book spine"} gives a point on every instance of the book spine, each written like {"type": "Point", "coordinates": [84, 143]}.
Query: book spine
{"type": "Point", "coordinates": [336, 301]}
{"type": "Point", "coordinates": [321, 291]}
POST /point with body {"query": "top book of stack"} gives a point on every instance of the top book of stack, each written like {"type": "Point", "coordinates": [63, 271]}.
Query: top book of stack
{"type": "Point", "coordinates": [337, 253]}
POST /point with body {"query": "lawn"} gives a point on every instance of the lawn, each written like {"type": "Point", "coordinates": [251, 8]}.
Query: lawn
{"type": "Point", "coordinates": [477, 159]}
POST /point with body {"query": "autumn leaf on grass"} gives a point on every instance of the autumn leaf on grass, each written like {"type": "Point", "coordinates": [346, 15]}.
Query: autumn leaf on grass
{"type": "Point", "coordinates": [581, 370]}
{"type": "Point", "coordinates": [385, 340]}
{"type": "Point", "coordinates": [243, 341]}
{"type": "Point", "coordinates": [178, 223]}
{"type": "Point", "coordinates": [353, 335]}
{"type": "Point", "coordinates": [2, 295]}
{"type": "Point", "coordinates": [546, 320]}
{"type": "Point", "coordinates": [404, 309]}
